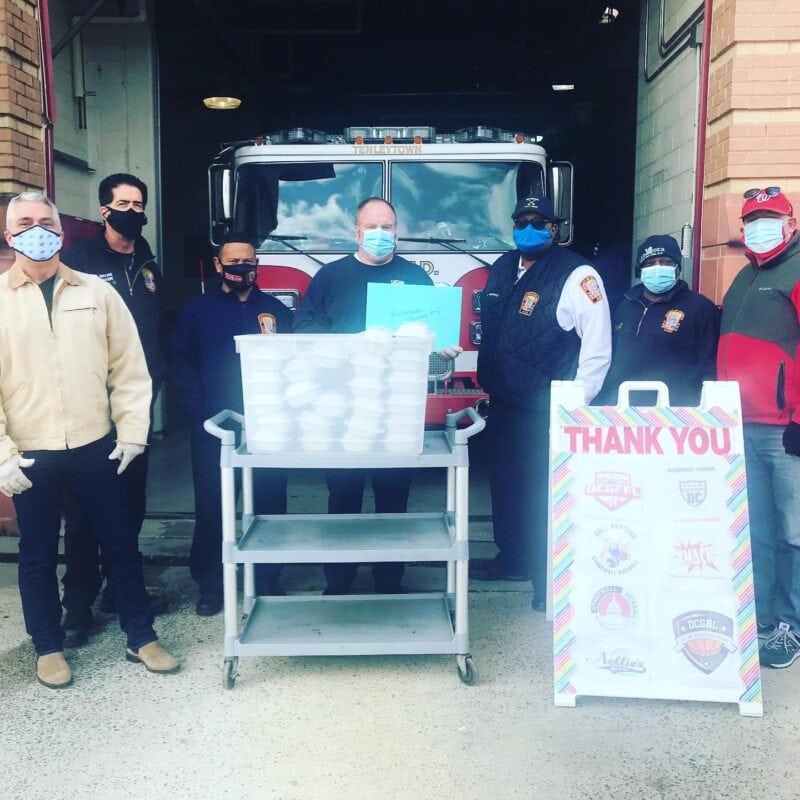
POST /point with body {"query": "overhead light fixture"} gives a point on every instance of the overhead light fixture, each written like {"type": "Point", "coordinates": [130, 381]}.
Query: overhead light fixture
{"type": "Point", "coordinates": [608, 16]}
{"type": "Point", "coordinates": [221, 103]}
{"type": "Point", "coordinates": [563, 87]}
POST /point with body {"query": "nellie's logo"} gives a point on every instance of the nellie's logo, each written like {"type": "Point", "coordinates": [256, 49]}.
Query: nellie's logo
{"type": "Point", "coordinates": [613, 489]}
{"type": "Point", "coordinates": [693, 492]}
{"type": "Point", "coordinates": [620, 662]}
{"type": "Point", "coordinates": [704, 637]}
{"type": "Point", "coordinates": [613, 608]}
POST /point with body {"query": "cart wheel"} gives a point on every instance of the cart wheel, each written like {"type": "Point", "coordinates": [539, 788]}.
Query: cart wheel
{"type": "Point", "coordinates": [229, 673]}
{"type": "Point", "coordinates": [467, 670]}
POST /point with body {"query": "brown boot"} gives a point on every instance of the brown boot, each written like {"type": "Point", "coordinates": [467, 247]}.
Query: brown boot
{"type": "Point", "coordinates": [53, 671]}
{"type": "Point", "coordinates": [154, 657]}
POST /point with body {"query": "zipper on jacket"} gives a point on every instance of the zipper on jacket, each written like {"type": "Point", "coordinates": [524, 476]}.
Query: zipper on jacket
{"type": "Point", "coordinates": [641, 319]}
{"type": "Point", "coordinates": [780, 389]}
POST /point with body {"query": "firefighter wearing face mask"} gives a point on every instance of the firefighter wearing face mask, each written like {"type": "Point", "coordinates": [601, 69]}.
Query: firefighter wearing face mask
{"type": "Point", "coordinates": [662, 331]}
{"type": "Point", "coordinates": [122, 258]}
{"type": "Point", "coordinates": [207, 379]}
{"type": "Point", "coordinates": [760, 348]}
{"type": "Point", "coordinates": [544, 317]}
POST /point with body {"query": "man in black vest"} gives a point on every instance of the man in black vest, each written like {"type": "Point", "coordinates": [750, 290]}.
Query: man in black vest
{"type": "Point", "coordinates": [544, 317]}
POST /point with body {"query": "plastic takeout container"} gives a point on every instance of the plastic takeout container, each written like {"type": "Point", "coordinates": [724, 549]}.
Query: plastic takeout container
{"type": "Point", "coordinates": [334, 393]}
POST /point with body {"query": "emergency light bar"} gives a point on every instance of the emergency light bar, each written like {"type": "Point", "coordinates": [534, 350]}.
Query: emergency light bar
{"type": "Point", "coordinates": [366, 133]}
{"type": "Point", "coordinates": [387, 134]}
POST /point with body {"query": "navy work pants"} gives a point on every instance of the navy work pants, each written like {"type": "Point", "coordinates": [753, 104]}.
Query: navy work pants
{"type": "Point", "coordinates": [269, 497]}
{"type": "Point", "coordinates": [88, 475]}
{"type": "Point", "coordinates": [518, 440]}
{"type": "Point", "coordinates": [345, 496]}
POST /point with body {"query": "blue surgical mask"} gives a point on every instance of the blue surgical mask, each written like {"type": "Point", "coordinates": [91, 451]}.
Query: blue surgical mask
{"type": "Point", "coordinates": [378, 242]}
{"type": "Point", "coordinates": [660, 278]}
{"type": "Point", "coordinates": [530, 240]}
{"type": "Point", "coordinates": [763, 234]}
{"type": "Point", "coordinates": [37, 243]}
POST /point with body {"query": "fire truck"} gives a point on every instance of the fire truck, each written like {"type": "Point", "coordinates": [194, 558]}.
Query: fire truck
{"type": "Point", "coordinates": [295, 193]}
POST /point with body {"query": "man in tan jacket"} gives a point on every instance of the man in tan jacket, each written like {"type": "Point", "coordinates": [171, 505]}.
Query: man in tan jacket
{"type": "Point", "coordinates": [72, 372]}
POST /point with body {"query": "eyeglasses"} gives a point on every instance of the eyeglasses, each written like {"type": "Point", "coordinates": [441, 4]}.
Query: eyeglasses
{"type": "Point", "coordinates": [770, 191]}
{"type": "Point", "coordinates": [520, 223]}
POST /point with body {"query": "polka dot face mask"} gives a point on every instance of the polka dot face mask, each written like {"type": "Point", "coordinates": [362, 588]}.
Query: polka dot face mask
{"type": "Point", "coordinates": [37, 243]}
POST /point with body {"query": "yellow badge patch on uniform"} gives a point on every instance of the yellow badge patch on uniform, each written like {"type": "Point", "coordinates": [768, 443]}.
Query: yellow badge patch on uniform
{"type": "Point", "coordinates": [267, 323]}
{"type": "Point", "coordinates": [672, 320]}
{"type": "Point", "coordinates": [529, 301]}
{"type": "Point", "coordinates": [149, 279]}
{"type": "Point", "coordinates": [591, 288]}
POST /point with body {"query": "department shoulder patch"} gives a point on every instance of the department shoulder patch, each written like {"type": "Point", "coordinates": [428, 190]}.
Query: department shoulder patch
{"type": "Point", "coordinates": [267, 323]}
{"type": "Point", "coordinates": [591, 288]}
{"type": "Point", "coordinates": [672, 320]}
{"type": "Point", "coordinates": [528, 304]}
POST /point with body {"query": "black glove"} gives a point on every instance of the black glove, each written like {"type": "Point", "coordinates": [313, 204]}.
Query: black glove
{"type": "Point", "coordinates": [791, 439]}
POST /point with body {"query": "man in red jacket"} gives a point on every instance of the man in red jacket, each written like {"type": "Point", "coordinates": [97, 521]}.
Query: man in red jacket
{"type": "Point", "coordinates": [760, 348]}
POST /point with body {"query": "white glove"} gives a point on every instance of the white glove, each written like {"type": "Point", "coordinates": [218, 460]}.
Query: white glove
{"type": "Point", "coordinates": [125, 452]}
{"type": "Point", "coordinates": [12, 478]}
{"type": "Point", "coordinates": [450, 352]}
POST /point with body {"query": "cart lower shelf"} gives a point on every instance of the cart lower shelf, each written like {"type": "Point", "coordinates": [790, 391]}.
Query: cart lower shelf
{"type": "Point", "coordinates": [350, 625]}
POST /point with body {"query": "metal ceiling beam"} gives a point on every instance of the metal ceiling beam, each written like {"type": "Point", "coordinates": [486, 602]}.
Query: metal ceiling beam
{"type": "Point", "coordinates": [77, 27]}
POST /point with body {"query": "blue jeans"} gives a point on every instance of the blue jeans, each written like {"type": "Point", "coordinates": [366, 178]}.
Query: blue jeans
{"type": "Point", "coordinates": [773, 494]}
{"type": "Point", "coordinates": [91, 478]}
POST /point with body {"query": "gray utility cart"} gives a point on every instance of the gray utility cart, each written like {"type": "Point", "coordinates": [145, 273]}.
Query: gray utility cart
{"type": "Point", "coordinates": [429, 622]}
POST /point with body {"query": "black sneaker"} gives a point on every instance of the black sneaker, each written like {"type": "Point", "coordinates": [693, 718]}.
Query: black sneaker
{"type": "Point", "coordinates": [782, 649]}
{"type": "Point", "coordinates": [765, 631]}
{"type": "Point", "coordinates": [77, 626]}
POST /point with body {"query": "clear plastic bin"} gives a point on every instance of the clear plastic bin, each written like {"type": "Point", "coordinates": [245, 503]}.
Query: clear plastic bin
{"type": "Point", "coordinates": [335, 393]}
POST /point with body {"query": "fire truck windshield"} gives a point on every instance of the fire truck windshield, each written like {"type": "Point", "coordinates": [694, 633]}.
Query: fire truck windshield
{"type": "Point", "coordinates": [464, 200]}
{"type": "Point", "coordinates": [469, 201]}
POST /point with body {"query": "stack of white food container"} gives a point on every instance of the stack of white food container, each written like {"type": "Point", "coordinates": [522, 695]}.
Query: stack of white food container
{"type": "Point", "coordinates": [336, 393]}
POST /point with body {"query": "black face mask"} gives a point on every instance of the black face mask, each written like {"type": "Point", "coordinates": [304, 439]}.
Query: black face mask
{"type": "Point", "coordinates": [127, 223]}
{"type": "Point", "coordinates": [239, 277]}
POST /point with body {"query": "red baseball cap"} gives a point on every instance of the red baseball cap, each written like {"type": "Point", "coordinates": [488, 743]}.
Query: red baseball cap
{"type": "Point", "coordinates": [766, 200]}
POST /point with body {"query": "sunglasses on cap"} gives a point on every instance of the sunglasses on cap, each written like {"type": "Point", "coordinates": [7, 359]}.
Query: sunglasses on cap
{"type": "Point", "coordinates": [770, 191]}
{"type": "Point", "coordinates": [520, 223]}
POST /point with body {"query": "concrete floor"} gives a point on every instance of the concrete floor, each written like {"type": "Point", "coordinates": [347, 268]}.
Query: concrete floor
{"type": "Point", "coordinates": [379, 727]}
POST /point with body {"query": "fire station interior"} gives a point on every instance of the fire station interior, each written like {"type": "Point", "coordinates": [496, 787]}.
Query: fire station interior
{"type": "Point", "coordinates": [330, 64]}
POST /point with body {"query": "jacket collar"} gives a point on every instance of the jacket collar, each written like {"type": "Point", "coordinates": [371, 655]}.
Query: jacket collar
{"type": "Point", "coordinates": [636, 293]}
{"type": "Point", "coordinates": [139, 246]}
{"type": "Point", "coordinates": [16, 277]}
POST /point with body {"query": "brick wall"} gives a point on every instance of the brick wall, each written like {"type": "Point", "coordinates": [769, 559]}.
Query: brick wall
{"type": "Point", "coordinates": [21, 149]}
{"type": "Point", "coordinates": [753, 135]}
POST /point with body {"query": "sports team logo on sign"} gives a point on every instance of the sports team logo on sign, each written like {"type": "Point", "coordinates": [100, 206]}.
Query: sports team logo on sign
{"type": "Point", "coordinates": [693, 492]}
{"type": "Point", "coordinates": [615, 557]}
{"type": "Point", "coordinates": [695, 557]}
{"type": "Point", "coordinates": [672, 320]}
{"type": "Point", "coordinates": [529, 301]}
{"type": "Point", "coordinates": [591, 288]}
{"type": "Point", "coordinates": [704, 637]}
{"type": "Point", "coordinates": [620, 662]}
{"type": "Point", "coordinates": [613, 489]}
{"type": "Point", "coordinates": [613, 608]}
{"type": "Point", "coordinates": [267, 323]}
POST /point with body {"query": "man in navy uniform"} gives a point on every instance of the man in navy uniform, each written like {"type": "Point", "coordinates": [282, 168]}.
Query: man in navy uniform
{"type": "Point", "coordinates": [207, 379]}
{"type": "Point", "coordinates": [662, 331]}
{"type": "Point", "coordinates": [120, 256]}
{"type": "Point", "coordinates": [544, 317]}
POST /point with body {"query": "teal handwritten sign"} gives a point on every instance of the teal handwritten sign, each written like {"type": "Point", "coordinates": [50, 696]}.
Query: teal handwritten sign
{"type": "Point", "coordinates": [439, 307]}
